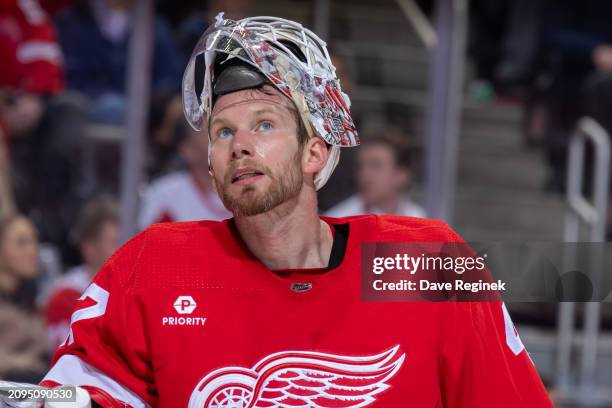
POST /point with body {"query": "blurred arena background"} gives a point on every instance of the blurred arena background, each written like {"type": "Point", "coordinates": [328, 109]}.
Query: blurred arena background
{"type": "Point", "coordinates": [466, 109]}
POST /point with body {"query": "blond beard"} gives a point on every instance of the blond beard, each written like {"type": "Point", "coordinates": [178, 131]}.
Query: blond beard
{"type": "Point", "coordinates": [248, 202]}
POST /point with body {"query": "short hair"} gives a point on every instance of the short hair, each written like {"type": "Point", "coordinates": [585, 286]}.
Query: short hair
{"type": "Point", "coordinates": [393, 138]}
{"type": "Point", "coordinates": [93, 217]}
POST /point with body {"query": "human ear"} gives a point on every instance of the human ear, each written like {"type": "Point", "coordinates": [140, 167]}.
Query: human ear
{"type": "Point", "coordinates": [315, 155]}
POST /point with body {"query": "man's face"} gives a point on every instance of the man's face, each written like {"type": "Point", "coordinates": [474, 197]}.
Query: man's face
{"type": "Point", "coordinates": [379, 178]}
{"type": "Point", "coordinates": [255, 156]}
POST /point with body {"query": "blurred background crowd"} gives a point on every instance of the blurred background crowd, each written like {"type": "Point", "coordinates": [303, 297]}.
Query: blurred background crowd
{"type": "Point", "coordinates": [533, 68]}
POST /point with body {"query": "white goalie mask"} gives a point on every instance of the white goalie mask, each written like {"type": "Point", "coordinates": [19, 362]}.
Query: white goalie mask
{"type": "Point", "coordinates": [291, 58]}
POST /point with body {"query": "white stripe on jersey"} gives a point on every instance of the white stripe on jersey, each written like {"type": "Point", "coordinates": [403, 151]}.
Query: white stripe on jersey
{"type": "Point", "coordinates": [39, 51]}
{"type": "Point", "coordinates": [74, 371]}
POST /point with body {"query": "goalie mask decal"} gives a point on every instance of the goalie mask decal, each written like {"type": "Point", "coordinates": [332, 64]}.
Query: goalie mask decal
{"type": "Point", "coordinates": [300, 378]}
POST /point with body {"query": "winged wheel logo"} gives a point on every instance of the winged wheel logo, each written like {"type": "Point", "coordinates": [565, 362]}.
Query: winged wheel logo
{"type": "Point", "coordinates": [300, 378]}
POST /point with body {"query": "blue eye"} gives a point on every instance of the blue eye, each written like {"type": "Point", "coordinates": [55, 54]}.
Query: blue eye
{"type": "Point", "coordinates": [225, 133]}
{"type": "Point", "coordinates": [266, 126]}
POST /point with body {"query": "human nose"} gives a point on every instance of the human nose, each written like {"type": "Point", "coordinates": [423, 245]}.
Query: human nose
{"type": "Point", "coordinates": [242, 144]}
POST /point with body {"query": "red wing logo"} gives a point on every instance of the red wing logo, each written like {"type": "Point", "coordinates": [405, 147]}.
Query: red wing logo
{"type": "Point", "coordinates": [299, 379]}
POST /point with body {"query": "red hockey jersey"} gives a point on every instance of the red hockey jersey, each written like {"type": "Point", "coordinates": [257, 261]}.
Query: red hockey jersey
{"type": "Point", "coordinates": [183, 315]}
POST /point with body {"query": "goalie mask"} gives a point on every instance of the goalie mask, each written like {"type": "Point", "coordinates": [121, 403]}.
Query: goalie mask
{"type": "Point", "coordinates": [255, 51]}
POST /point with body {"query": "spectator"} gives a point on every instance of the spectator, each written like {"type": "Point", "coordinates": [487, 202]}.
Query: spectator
{"type": "Point", "coordinates": [188, 194]}
{"type": "Point", "coordinates": [31, 67]}
{"type": "Point", "coordinates": [577, 37]}
{"type": "Point", "coordinates": [94, 35]}
{"type": "Point", "coordinates": [97, 234]}
{"type": "Point", "coordinates": [39, 124]}
{"type": "Point", "coordinates": [31, 70]}
{"type": "Point", "coordinates": [383, 178]}
{"type": "Point", "coordinates": [23, 356]}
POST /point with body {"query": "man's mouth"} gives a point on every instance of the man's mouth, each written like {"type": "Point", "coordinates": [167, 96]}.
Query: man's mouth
{"type": "Point", "coordinates": [245, 174]}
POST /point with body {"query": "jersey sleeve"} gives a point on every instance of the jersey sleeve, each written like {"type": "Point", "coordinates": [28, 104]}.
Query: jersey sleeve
{"type": "Point", "coordinates": [38, 53]}
{"type": "Point", "coordinates": [485, 364]}
{"type": "Point", "coordinates": [106, 351]}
